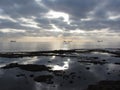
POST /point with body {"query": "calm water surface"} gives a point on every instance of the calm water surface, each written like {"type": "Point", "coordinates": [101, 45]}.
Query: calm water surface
{"type": "Point", "coordinates": [77, 75]}
{"type": "Point", "coordinates": [42, 46]}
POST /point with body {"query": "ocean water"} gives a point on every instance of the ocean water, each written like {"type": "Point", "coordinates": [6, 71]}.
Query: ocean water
{"type": "Point", "coordinates": [76, 71]}
{"type": "Point", "coordinates": [44, 46]}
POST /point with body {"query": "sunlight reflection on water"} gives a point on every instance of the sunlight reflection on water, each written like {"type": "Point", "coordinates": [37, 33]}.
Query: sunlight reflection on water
{"type": "Point", "coordinates": [64, 67]}
{"type": "Point", "coordinates": [43, 46]}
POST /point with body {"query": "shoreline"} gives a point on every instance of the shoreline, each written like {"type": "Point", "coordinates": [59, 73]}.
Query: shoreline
{"type": "Point", "coordinates": [62, 53]}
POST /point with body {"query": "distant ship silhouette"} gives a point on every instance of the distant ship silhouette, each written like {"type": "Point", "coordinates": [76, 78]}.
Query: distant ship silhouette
{"type": "Point", "coordinates": [100, 41]}
{"type": "Point", "coordinates": [12, 41]}
{"type": "Point", "coordinates": [67, 42]}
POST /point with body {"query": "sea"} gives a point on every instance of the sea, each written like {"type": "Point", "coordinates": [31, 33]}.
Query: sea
{"type": "Point", "coordinates": [60, 71]}
{"type": "Point", "coordinates": [45, 46]}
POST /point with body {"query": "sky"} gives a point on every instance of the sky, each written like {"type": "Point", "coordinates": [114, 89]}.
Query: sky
{"type": "Point", "coordinates": [60, 19]}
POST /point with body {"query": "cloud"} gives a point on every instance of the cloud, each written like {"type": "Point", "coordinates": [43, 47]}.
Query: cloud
{"type": "Point", "coordinates": [113, 6]}
{"type": "Point", "coordinates": [75, 8]}
{"type": "Point", "coordinates": [97, 11]}
{"type": "Point", "coordinates": [8, 24]}
{"type": "Point", "coordinates": [34, 18]}
{"type": "Point", "coordinates": [44, 23]}
{"type": "Point", "coordinates": [22, 8]}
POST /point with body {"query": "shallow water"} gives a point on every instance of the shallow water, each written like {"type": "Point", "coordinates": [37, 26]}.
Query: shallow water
{"type": "Point", "coordinates": [74, 73]}
{"type": "Point", "coordinates": [69, 71]}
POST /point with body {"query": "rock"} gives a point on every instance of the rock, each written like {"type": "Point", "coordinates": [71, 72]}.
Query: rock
{"type": "Point", "coordinates": [44, 78]}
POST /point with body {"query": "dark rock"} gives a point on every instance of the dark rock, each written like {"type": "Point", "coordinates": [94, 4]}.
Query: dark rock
{"type": "Point", "coordinates": [105, 85]}
{"type": "Point", "coordinates": [108, 73]}
{"type": "Point", "coordinates": [31, 75]}
{"type": "Point", "coordinates": [103, 60]}
{"type": "Point", "coordinates": [19, 75]}
{"type": "Point", "coordinates": [92, 61]}
{"type": "Point", "coordinates": [58, 72]}
{"type": "Point", "coordinates": [28, 67]}
{"type": "Point", "coordinates": [117, 63]}
{"type": "Point", "coordinates": [71, 82]}
{"type": "Point", "coordinates": [87, 68]}
{"type": "Point", "coordinates": [79, 77]}
{"type": "Point", "coordinates": [65, 76]}
{"type": "Point", "coordinates": [44, 78]}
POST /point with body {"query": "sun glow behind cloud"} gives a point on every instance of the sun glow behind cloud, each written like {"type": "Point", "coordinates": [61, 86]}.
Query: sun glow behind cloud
{"type": "Point", "coordinates": [54, 14]}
